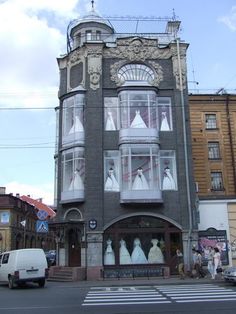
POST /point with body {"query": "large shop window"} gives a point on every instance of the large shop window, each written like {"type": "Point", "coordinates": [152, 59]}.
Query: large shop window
{"type": "Point", "coordinates": [72, 120]}
{"type": "Point", "coordinates": [140, 172]}
{"type": "Point", "coordinates": [111, 171]}
{"type": "Point", "coordinates": [168, 170]}
{"type": "Point", "coordinates": [140, 240]}
{"type": "Point", "coordinates": [138, 109]}
{"type": "Point", "coordinates": [73, 172]}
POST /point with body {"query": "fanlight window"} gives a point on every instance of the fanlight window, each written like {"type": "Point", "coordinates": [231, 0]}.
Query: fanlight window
{"type": "Point", "coordinates": [136, 72]}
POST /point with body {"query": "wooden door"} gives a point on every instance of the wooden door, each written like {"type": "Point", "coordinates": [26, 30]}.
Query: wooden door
{"type": "Point", "coordinates": [74, 248]}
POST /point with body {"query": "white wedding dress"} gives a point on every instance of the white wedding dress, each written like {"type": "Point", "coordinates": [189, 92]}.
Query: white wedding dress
{"type": "Point", "coordinates": [76, 182]}
{"type": "Point", "coordinates": [110, 124]}
{"type": "Point", "coordinates": [138, 256]}
{"type": "Point", "coordinates": [124, 254]}
{"type": "Point", "coordinates": [168, 180]}
{"type": "Point", "coordinates": [140, 182]}
{"type": "Point", "coordinates": [138, 121]}
{"type": "Point", "coordinates": [155, 255]}
{"type": "Point", "coordinates": [109, 256]}
{"type": "Point", "coordinates": [164, 122]}
{"type": "Point", "coordinates": [77, 126]}
{"type": "Point", "coordinates": [111, 182]}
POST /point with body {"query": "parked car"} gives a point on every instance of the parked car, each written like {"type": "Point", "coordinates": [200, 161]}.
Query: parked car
{"type": "Point", "coordinates": [230, 274]}
{"type": "Point", "coordinates": [20, 266]}
{"type": "Point", "coordinates": [51, 257]}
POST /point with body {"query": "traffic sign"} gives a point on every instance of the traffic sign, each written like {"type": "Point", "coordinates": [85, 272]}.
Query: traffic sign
{"type": "Point", "coordinates": [42, 214]}
{"type": "Point", "coordinates": [41, 226]}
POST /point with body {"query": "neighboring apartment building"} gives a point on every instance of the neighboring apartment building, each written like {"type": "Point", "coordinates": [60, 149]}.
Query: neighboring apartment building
{"type": "Point", "coordinates": [213, 124]}
{"type": "Point", "coordinates": [125, 188]}
{"type": "Point", "coordinates": [18, 225]}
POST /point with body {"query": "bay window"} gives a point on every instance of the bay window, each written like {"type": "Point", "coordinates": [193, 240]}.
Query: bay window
{"type": "Point", "coordinates": [168, 170]}
{"type": "Point", "coordinates": [73, 120]}
{"type": "Point", "coordinates": [111, 171]}
{"type": "Point", "coordinates": [73, 172]}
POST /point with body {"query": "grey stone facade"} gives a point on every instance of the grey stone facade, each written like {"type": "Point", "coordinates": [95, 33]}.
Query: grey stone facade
{"type": "Point", "coordinates": [97, 63]}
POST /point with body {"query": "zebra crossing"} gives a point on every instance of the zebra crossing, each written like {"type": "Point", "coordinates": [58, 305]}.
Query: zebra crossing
{"type": "Point", "coordinates": [165, 294]}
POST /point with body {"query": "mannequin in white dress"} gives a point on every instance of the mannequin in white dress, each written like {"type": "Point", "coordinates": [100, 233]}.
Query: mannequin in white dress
{"type": "Point", "coordinates": [76, 182]}
{"type": "Point", "coordinates": [168, 180]}
{"type": "Point", "coordinates": [124, 254]}
{"type": "Point", "coordinates": [111, 182]}
{"type": "Point", "coordinates": [164, 122]}
{"type": "Point", "coordinates": [140, 182]}
{"type": "Point", "coordinates": [109, 256]}
{"type": "Point", "coordinates": [138, 121]}
{"type": "Point", "coordinates": [138, 256]}
{"type": "Point", "coordinates": [77, 126]}
{"type": "Point", "coordinates": [110, 124]}
{"type": "Point", "coordinates": [155, 254]}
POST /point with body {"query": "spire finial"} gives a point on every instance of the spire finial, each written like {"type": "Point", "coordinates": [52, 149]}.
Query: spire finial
{"type": "Point", "coordinates": [92, 2]}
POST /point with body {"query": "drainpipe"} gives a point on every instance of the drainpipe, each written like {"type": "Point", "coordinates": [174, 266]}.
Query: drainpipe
{"type": "Point", "coordinates": [185, 157]}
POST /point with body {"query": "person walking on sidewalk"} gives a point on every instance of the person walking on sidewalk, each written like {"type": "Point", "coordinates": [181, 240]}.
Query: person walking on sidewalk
{"type": "Point", "coordinates": [180, 263]}
{"type": "Point", "coordinates": [209, 256]}
{"type": "Point", "coordinates": [216, 262]}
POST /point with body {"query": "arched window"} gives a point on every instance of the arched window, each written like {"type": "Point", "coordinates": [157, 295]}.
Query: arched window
{"type": "Point", "coordinates": [136, 72]}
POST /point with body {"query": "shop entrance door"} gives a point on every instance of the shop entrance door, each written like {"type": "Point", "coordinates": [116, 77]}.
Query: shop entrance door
{"type": "Point", "coordinates": [74, 248]}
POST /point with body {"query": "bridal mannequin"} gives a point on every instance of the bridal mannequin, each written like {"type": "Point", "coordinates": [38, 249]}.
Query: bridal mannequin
{"type": "Point", "coordinates": [155, 254]}
{"type": "Point", "coordinates": [111, 182]}
{"type": "Point", "coordinates": [77, 126]}
{"type": "Point", "coordinates": [110, 125]}
{"type": "Point", "coordinates": [164, 122]}
{"type": "Point", "coordinates": [138, 121]}
{"type": "Point", "coordinates": [109, 256]}
{"type": "Point", "coordinates": [138, 256]}
{"type": "Point", "coordinates": [168, 180]}
{"type": "Point", "coordinates": [124, 254]}
{"type": "Point", "coordinates": [76, 182]}
{"type": "Point", "coordinates": [140, 182]}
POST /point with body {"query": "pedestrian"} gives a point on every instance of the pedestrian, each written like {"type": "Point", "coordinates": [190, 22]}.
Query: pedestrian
{"type": "Point", "coordinates": [198, 265]}
{"type": "Point", "coordinates": [180, 263]}
{"type": "Point", "coordinates": [216, 261]}
{"type": "Point", "coordinates": [209, 256]}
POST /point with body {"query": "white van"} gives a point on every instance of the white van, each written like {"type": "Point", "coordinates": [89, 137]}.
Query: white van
{"type": "Point", "coordinates": [20, 266]}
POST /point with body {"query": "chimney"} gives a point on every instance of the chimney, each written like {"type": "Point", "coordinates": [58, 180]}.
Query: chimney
{"type": "Point", "coordinates": [2, 190]}
{"type": "Point", "coordinates": [17, 195]}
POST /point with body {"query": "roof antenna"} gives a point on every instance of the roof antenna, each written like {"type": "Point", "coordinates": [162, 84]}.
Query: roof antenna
{"type": "Point", "coordinates": [173, 16]}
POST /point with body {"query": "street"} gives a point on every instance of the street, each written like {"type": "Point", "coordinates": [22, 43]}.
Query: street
{"type": "Point", "coordinates": [77, 298]}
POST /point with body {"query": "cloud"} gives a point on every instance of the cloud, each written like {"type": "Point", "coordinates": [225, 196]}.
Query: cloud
{"type": "Point", "coordinates": [30, 43]}
{"type": "Point", "coordinates": [45, 191]}
{"type": "Point", "coordinates": [230, 19]}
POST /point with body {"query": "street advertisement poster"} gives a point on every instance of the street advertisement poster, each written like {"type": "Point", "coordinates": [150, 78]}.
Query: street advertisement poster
{"type": "Point", "coordinates": [5, 217]}
{"type": "Point", "coordinates": [213, 238]}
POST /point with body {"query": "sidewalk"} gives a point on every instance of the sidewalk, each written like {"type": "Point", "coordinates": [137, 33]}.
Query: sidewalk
{"type": "Point", "coordinates": [173, 280]}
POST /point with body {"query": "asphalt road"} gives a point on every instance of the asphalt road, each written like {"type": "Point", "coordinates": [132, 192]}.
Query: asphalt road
{"type": "Point", "coordinates": [58, 298]}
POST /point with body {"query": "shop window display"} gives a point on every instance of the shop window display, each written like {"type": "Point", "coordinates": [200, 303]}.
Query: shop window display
{"type": "Point", "coordinates": [111, 171]}
{"type": "Point", "coordinates": [140, 240]}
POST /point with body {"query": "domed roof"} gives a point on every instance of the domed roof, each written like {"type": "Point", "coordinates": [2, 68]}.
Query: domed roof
{"type": "Point", "coordinates": [92, 16]}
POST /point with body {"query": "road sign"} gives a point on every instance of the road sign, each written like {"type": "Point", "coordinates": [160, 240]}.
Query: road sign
{"type": "Point", "coordinates": [41, 226]}
{"type": "Point", "coordinates": [42, 214]}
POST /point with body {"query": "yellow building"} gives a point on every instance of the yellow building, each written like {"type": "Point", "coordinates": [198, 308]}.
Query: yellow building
{"type": "Point", "coordinates": [18, 225]}
{"type": "Point", "coordinates": [213, 126]}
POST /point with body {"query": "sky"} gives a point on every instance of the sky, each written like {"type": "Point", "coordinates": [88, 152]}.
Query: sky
{"type": "Point", "coordinates": [33, 35]}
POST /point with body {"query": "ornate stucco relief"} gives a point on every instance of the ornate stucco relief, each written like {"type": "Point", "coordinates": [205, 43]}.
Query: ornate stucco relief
{"type": "Point", "coordinates": [94, 56]}
{"type": "Point", "coordinates": [137, 49]}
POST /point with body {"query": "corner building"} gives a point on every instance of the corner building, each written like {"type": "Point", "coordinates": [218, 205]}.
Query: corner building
{"type": "Point", "coordinates": [124, 184]}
